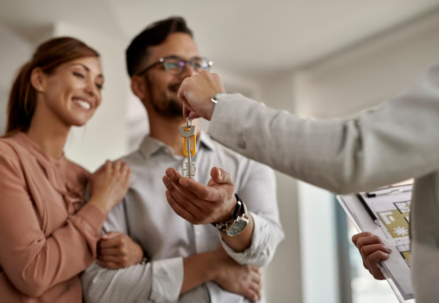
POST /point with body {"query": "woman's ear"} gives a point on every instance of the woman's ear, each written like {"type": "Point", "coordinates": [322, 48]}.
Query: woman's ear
{"type": "Point", "coordinates": [38, 80]}
{"type": "Point", "coordinates": [138, 87]}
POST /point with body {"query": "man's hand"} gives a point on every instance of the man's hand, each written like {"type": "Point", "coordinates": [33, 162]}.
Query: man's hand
{"type": "Point", "coordinates": [117, 250]}
{"type": "Point", "coordinates": [372, 251]}
{"type": "Point", "coordinates": [240, 279]}
{"type": "Point", "coordinates": [196, 93]}
{"type": "Point", "coordinates": [200, 204]}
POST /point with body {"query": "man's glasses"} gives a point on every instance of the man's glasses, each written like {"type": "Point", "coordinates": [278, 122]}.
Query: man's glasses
{"type": "Point", "coordinates": [175, 65]}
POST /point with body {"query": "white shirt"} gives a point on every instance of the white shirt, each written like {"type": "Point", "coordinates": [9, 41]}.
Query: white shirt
{"type": "Point", "coordinates": [147, 218]}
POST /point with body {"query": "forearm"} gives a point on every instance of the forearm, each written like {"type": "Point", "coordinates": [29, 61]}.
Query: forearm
{"type": "Point", "coordinates": [44, 262]}
{"type": "Point", "coordinates": [242, 241]}
{"type": "Point", "coordinates": [198, 269]}
{"type": "Point", "coordinates": [153, 282]}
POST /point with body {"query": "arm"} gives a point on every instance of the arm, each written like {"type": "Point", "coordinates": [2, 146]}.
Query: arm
{"type": "Point", "coordinates": [394, 143]}
{"type": "Point", "coordinates": [259, 194]}
{"type": "Point", "coordinates": [164, 280]}
{"type": "Point", "coordinates": [157, 281]}
{"type": "Point", "coordinates": [32, 262]}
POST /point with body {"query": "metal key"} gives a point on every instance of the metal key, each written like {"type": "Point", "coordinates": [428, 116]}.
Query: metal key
{"type": "Point", "coordinates": [189, 140]}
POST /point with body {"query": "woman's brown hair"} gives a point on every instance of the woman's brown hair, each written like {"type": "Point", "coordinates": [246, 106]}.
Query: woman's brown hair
{"type": "Point", "coordinates": [49, 55]}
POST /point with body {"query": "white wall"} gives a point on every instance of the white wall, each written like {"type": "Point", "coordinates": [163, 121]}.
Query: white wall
{"type": "Point", "coordinates": [14, 52]}
{"type": "Point", "coordinates": [370, 73]}
{"type": "Point", "coordinates": [105, 135]}
{"type": "Point", "coordinates": [282, 277]}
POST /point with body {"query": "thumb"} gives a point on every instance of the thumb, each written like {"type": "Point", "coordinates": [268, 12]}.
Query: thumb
{"type": "Point", "coordinates": [220, 176]}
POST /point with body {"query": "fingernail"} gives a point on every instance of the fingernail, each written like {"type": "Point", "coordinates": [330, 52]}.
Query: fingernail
{"type": "Point", "coordinates": [170, 172]}
{"type": "Point", "coordinates": [166, 180]}
{"type": "Point", "coordinates": [219, 172]}
{"type": "Point", "coordinates": [386, 255]}
{"type": "Point", "coordinates": [184, 182]}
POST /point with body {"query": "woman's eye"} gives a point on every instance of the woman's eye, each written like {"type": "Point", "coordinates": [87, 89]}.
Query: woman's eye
{"type": "Point", "coordinates": [79, 75]}
{"type": "Point", "coordinates": [100, 86]}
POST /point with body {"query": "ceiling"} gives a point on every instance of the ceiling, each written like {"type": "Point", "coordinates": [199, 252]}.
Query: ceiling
{"type": "Point", "coordinates": [242, 36]}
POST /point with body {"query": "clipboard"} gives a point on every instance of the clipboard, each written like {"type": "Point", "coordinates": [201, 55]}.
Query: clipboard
{"type": "Point", "coordinates": [386, 213]}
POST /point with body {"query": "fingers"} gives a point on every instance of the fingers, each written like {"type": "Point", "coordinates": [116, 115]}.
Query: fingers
{"type": "Point", "coordinates": [370, 240]}
{"type": "Point", "coordinates": [112, 240]}
{"type": "Point", "coordinates": [125, 169]}
{"type": "Point", "coordinates": [117, 165]}
{"type": "Point", "coordinates": [369, 249]}
{"type": "Point", "coordinates": [255, 284]}
{"type": "Point", "coordinates": [372, 261]}
{"type": "Point", "coordinates": [220, 176]}
{"type": "Point", "coordinates": [173, 174]}
{"type": "Point", "coordinates": [255, 289]}
{"type": "Point", "coordinates": [360, 235]}
{"type": "Point", "coordinates": [108, 166]}
{"type": "Point", "coordinates": [109, 251]}
{"type": "Point", "coordinates": [182, 89]}
{"type": "Point", "coordinates": [201, 191]}
{"type": "Point", "coordinates": [256, 276]}
{"type": "Point", "coordinates": [178, 209]}
{"type": "Point", "coordinates": [106, 259]}
{"type": "Point", "coordinates": [372, 254]}
{"type": "Point", "coordinates": [180, 198]}
{"type": "Point", "coordinates": [175, 177]}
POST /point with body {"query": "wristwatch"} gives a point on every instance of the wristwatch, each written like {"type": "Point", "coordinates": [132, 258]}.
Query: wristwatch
{"type": "Point", "coordinates": [238, 222]}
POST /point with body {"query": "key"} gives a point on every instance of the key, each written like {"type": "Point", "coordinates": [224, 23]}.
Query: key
{"type": "Point", "coordinates": [189, 148]}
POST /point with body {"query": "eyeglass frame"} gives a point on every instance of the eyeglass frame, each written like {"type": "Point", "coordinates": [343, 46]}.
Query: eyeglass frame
{"type": "Point", "coordinates": [162, 61]}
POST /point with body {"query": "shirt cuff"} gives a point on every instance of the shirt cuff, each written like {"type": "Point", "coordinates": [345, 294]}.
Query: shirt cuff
{"type": "Point", "coordinates": [167, 277]}
{"type": "Point", "coordinates": [94, 219]}
{"type": "Point", "coordinates": [254, 255]}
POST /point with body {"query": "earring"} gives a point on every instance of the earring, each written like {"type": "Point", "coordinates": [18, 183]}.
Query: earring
{"type": "Point", "coordinates": [40, 88]}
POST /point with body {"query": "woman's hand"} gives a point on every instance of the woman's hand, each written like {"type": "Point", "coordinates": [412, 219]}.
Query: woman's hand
{"type": "Point", "coordinates": [109, 184]}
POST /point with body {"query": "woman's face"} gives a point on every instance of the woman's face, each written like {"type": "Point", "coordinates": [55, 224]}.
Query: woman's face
{"type": "Point", "coordinates": [73, 91]}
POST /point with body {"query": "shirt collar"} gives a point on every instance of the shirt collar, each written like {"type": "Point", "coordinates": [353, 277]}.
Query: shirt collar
{"type": "Point", "coordinates": [150, 145]}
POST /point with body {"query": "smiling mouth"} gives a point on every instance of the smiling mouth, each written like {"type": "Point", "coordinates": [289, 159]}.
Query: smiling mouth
{"type": "Point", "coordinates": [82, 103]}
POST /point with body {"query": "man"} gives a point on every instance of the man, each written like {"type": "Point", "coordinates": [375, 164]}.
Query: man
{"type": "Point", "coordinates": [187, 263]}
{"type": "Point", "coordinates": [397, 142]}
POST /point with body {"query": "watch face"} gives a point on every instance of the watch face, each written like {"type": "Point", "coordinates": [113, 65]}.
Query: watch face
{"type": "Point", "coordinates": [237, 228]}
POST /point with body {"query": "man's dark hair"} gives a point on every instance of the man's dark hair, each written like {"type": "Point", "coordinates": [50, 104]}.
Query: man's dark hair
{"type": "Point", "coordinates": [154, 34]}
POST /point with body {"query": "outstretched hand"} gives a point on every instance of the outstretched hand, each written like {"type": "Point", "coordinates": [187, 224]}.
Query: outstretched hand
{"type": "Point", "coordinates": [198, 203]}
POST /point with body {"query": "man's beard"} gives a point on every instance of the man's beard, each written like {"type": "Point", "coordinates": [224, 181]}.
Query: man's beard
{"type": "Point", "coordinates": [165, 106]}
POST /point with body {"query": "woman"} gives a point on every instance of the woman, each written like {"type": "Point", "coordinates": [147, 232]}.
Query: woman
{"type": "Point", "coordinates": [48, 236]}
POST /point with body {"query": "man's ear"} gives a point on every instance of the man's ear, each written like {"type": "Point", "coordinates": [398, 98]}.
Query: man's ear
{"type": "Point", "coordinates": [138, 87]}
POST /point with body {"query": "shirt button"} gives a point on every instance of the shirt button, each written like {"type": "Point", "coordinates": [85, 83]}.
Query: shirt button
{"type": "Point", "coordinates": [242, 144]}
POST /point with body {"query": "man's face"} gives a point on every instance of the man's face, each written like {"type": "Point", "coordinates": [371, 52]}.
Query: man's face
{"type": "Point", "coordinates": [161, 87]}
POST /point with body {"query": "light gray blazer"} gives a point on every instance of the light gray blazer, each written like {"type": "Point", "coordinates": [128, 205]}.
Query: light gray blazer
{"type": "Point", "coordinates": [398, 141]}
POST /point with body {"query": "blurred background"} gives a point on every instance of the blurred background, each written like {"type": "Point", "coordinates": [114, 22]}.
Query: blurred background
{"type": "Point", "coordinates": [319, 59]}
